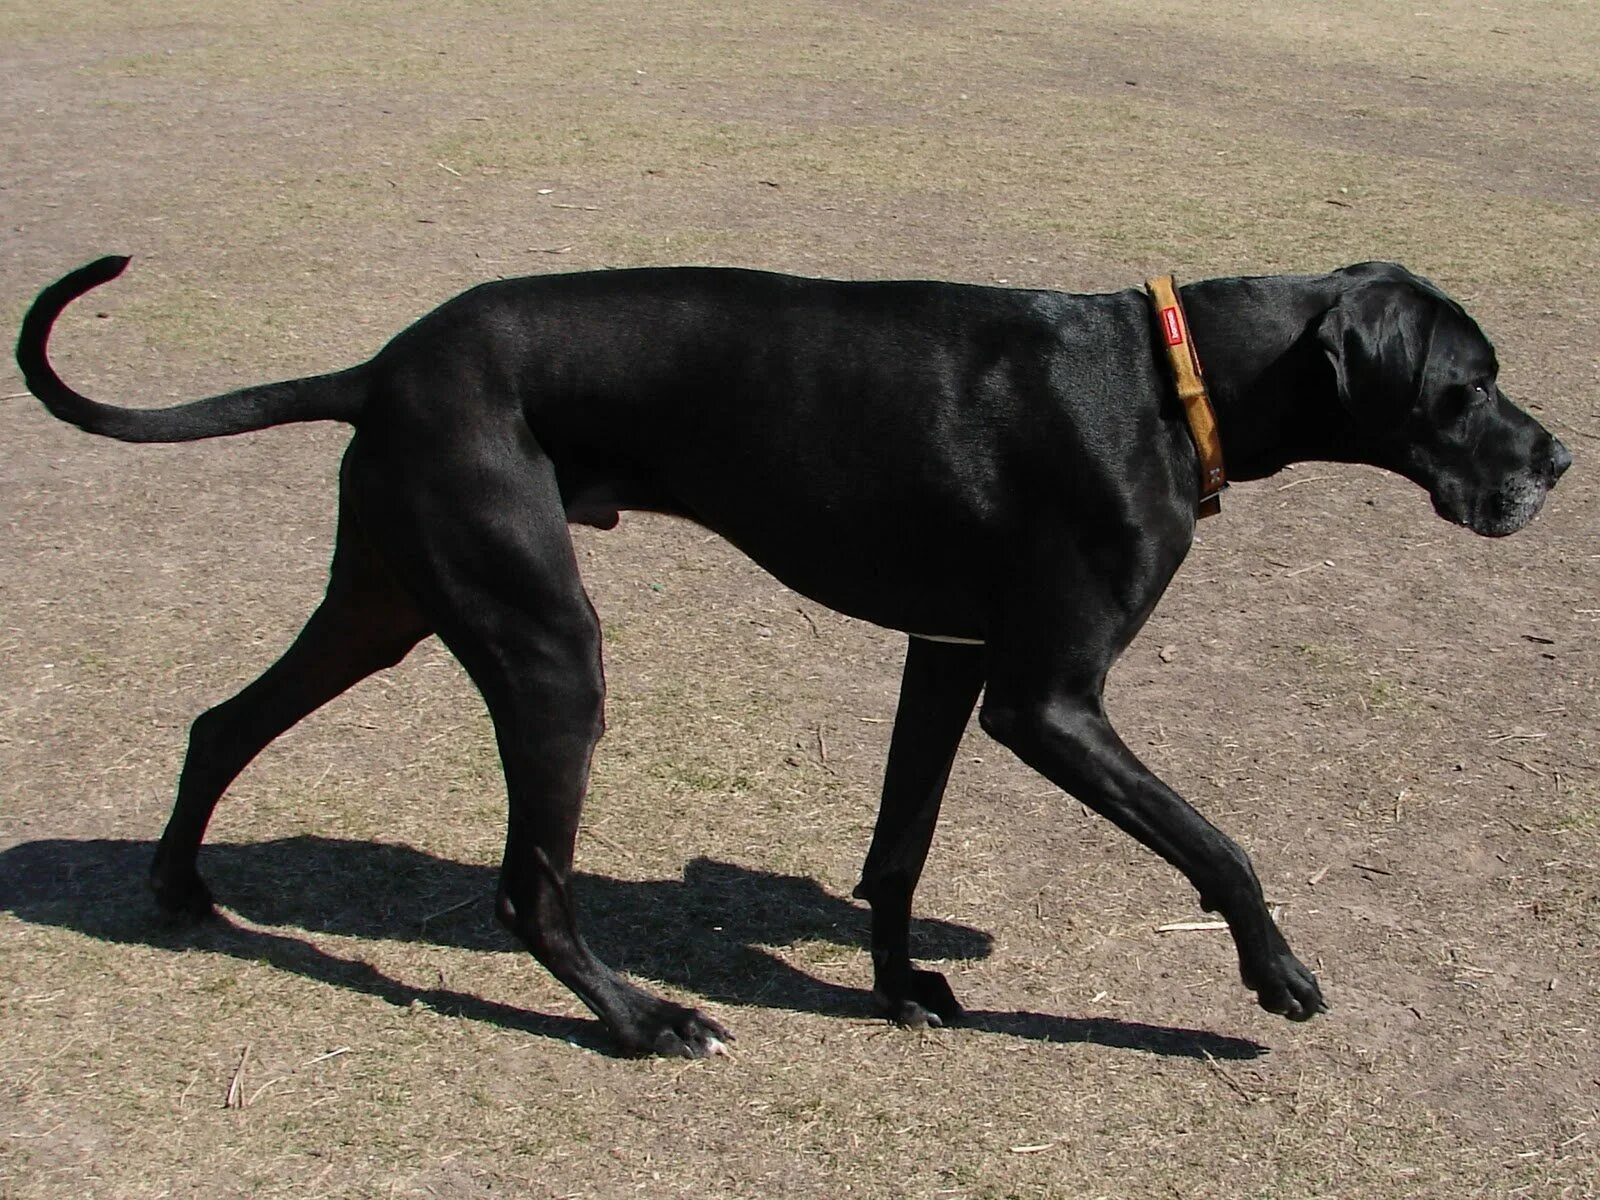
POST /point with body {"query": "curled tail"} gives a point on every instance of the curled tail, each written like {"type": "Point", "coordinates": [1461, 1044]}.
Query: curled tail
{"type": "Point", "coordinates": [336, 397]}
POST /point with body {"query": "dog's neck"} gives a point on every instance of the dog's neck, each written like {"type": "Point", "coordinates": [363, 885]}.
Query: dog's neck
{"type": "Point", "coordinates": [1276, 399]}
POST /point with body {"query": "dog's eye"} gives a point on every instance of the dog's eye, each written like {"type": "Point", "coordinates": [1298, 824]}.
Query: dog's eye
{"type": "Point", "coordinates": [1464, 399]}
{"type": "Point", "coordinates": [1473, 396]}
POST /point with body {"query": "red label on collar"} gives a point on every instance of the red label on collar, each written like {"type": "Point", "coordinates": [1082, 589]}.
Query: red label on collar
{"type": "Point", "coordinates": [1172, 326]}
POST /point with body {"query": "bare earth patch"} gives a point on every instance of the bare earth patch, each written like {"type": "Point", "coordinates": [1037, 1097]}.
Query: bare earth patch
{"type": "Point", "coordinates": [1402, 723]}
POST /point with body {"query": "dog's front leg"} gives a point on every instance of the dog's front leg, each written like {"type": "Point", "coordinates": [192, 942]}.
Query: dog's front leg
{"type": "Point", "coordinates": [1066, 737]}
{"type": "Point", "coordinates": [938, 689]}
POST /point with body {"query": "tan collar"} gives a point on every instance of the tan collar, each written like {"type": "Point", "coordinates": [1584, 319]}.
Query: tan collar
{"type": "Point", "coordinates": [1197, 408]}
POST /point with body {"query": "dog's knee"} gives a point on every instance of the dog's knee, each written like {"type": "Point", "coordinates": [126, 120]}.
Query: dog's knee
{"type": "Point", "coordinates": [1060, 730]}
{"type": "Point", "coordinates": [210, 736]}
{"type": "Point", "coordinates": [207, 729]}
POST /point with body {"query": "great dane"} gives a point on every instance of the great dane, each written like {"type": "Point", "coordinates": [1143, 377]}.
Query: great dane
{"type": "Point", "coordinates": [1005, 475]}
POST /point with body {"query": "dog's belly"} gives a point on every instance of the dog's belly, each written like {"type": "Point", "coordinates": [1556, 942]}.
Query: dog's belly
{"type": "Point", "coordinates": [915, 589]}
{"type": "Point", "coordinates": [910, 575]}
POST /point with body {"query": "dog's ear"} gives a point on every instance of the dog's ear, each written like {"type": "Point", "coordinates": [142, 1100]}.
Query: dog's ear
{"type": "Point", "coordinates": [1377, 337]}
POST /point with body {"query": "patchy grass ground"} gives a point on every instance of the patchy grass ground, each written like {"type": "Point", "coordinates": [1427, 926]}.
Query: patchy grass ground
{"type": "Point", "coordinates": [1405, 725]}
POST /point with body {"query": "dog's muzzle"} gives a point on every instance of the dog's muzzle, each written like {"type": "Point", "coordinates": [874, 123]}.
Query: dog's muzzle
{"type": "Point", "coordinates": [1508, 507]}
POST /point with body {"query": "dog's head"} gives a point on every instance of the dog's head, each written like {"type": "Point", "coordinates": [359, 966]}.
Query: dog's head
{"type": "Point", "coordinates": [1417, 378]}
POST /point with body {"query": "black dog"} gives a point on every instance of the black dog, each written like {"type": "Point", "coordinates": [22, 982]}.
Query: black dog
{"type": "Point", "coordinates": [1005, 475]}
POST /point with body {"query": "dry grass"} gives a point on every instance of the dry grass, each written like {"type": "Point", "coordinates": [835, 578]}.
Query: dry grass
{"type": "Point", "coordinates": [296, 188]}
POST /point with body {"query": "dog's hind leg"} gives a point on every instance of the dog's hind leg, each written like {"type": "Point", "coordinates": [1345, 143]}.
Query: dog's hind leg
{"type": "Point", "coordinates": [477, 526]}
{"type": "Point", "coordinates": [364, 624]}
{"type": "Point", "coordinates": [938, 688]}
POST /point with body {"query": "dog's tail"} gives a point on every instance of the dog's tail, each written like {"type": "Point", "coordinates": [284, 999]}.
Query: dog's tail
{"type": "Point", "coordinates": [336, 397]}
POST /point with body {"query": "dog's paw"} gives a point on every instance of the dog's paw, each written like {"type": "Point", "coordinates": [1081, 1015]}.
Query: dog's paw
{"type": "Point", "coordinates": [1283, 985]}
{"type": "Point", "coordinates": [183, 899]}
{"type": "Point", "coordinates": [673, 1031]}
{"type": "Point", "coordinates": [926, 1003]}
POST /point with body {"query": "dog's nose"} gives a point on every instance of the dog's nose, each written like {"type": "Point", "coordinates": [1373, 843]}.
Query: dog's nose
{"type": "Point", "coordinates": [1560, 459]}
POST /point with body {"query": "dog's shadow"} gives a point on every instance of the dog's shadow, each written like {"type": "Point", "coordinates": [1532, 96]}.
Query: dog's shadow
{"type": "Point", "coordinates": [706, 933]}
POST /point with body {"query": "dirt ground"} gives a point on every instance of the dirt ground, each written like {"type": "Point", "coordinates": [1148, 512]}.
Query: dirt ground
{"type": "Point", "coordinates": [1397, 719]}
